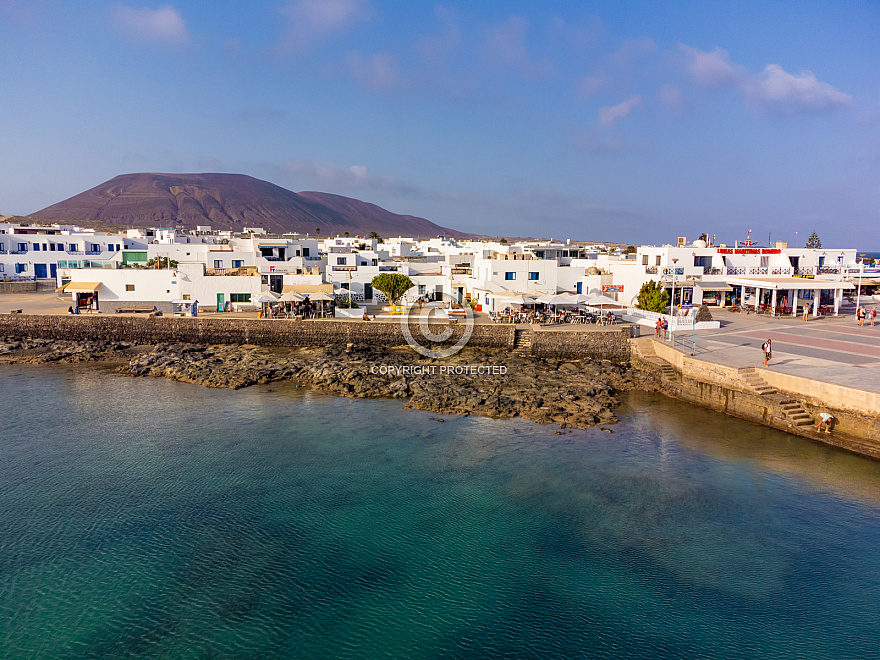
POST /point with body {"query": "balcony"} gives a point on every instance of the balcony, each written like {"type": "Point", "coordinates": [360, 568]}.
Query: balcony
{"type": "Point", "coordinates": [709, 270]}
{"type": "Point", "coordinates": [781, 271]}
{"type": "Point", "coordinates": [345, 268]}
{"type": "Point", "coordinates": [736, 271]}
{"type": "Point", "coordinates": [18, 252]}
{"type": "Point", "coordinates": [461, 271]}
{"type": "Point", "coordinates": [828, 270]}
{"type": "Point", "coordinates": [76, 252]}
{"type": "Point", "coordinates": [758, 271]}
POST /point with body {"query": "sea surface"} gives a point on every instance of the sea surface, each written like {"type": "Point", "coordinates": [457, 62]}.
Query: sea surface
{"type": "Point", "coordinates": [153, 519]}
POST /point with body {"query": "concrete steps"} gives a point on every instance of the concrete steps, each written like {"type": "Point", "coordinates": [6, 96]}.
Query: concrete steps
{"type": "Point", "coordinates": [522, 342]}
{"type": "Point", "coordinates": [649, 355]}
{"type": "Point", "coordinates": [795, 413]}
{"type": "Point", "coordinates": [754, 382]}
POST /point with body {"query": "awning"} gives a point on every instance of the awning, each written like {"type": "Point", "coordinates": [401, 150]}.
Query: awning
{"type": "Point", "coordinates": [307, 288]}
{"type": "Point", "coordinates": [714, 286]}
{"type": "Point", "coordinates": [82, 287]}
{"type": "Point", "coordinates": [790, 283]}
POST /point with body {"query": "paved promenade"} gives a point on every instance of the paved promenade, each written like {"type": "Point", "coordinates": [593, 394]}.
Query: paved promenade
{"type": "Point", "coordinates": [828, 349]}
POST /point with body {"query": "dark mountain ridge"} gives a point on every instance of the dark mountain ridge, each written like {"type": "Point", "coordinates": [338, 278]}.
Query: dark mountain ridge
{"type": "Point", "coordinates": [229, 202]}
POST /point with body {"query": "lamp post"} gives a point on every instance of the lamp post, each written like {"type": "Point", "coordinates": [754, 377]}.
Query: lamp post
{"type": "Point", "coordinates": [859, 289]}
{"type": "Point", "coordinates": [672, 305]}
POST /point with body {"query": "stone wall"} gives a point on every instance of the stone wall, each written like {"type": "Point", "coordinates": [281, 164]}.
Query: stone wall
{"type": "Point", "coordinates": [18, 287]}
{"type": "Point", "coordinates": [263, 332]}
{"type": "Point", "coordinates": [611, 345]}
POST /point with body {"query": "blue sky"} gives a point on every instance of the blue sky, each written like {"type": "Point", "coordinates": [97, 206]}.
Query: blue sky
{"type": "Point", "coordinates": [613, 121]}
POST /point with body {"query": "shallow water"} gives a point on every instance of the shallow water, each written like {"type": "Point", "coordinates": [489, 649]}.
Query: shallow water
{"type": "Point", "coordinates": [157, 519]}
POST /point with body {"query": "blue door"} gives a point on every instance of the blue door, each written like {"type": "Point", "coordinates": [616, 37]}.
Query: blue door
{"type": "Point", "coordinates": [53, 270]}
{"type": "Point", "coordinates": [40, 271]}
{"type": "Point", "coordinates": [580, 288]}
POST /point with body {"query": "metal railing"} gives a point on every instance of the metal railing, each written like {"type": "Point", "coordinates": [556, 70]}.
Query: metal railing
{"type": "Point", "coordinates": [673, 321]}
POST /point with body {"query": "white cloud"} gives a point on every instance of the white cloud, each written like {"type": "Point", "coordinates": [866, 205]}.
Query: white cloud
{"type": "Point", "coordinates": [324, 176]}
{"type": "Point", "coordinates": [311, 20]}
{"type": "Point", "coordinates": [774, 91]}
{"type": "Point", "coordinates": [610, 115]}
{"type": "Point", "coordinates": [712, 70]}
{"type": "Point", "coordinates": [163, 25]}
{"type": "Point", "coordinates": [780, 92]}
{"type": "Point", "coordinates": [377, 73]}
{"type": "Point", "coordinates": [505, 45]}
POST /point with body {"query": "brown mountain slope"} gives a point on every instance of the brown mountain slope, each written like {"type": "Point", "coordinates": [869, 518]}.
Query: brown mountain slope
{"type": "Point", "coordinates": [227, 201]}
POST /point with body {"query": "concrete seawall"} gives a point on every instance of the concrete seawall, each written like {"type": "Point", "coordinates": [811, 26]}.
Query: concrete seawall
{"type": "Point", "coordinates": [725, 389]}
{"type": "Point", "coordinates": [612, 346]}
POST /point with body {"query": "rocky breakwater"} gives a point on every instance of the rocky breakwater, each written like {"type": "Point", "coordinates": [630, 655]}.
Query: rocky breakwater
{"type": "Point", "coordinates": [489, 382]}
{"type": "Point", "coordinates": [480, 381]}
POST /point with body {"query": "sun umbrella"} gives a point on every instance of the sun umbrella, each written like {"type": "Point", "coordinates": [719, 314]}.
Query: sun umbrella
{"type": "Point", "coordinates": [292, 296]}
{"type": "Point", "coordinates": [600, 300]}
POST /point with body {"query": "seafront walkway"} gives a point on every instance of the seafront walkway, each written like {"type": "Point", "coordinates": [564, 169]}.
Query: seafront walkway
{"type": "Point", "coordinates": [827, 349]}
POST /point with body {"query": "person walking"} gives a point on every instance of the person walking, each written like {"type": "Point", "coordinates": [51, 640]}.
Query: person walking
{"type": "Point", "coordinates": [873, 315]}
{"type": "Point", "coordinates": [768, 351]}
{"type": "Point", "coordinates": [860, 312]}
{"type": "Point", "coordinates": [658, 326]}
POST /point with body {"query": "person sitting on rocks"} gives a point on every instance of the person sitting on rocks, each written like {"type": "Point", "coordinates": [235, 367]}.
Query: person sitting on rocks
{"type": "Point", "coordinates": [828, 420]}
{"type": "Point", "coordinates": [365, 317]}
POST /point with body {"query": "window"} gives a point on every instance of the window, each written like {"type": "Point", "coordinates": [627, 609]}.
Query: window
{"type": "Point", "coordinates": [218, 263]}
{"type": "Point", "coordinates": [657, 262]}
{"type": "Point", "coordinates": [22, 247]}
{"type": "Point", "coordinates": [422, 289]}
{"type": "Point", "coordinates": [72, 247]}
{"type": "Point", "coordinates": [1, 268]}
{"type": "Point", "coordinates": [509, 276]}
{"type": "Point", "coordinates": [129, 287]}
{"type": "Point", "coordinates": [533, 276]}
{"type": "Point", "coordinates": [186, 296]}
{"type": "Point", "coordinates": [237, 263]}
{"type": "Point", "coordinates": [45, 247]}
{"type": "Point", "coordinates": [539, 254]}
{"type": "Point", "coordinates": [644, 259]}
{"type": "Point", "coordinates": [305, 252]}
{"type": "Point", "coordinates": [296, 254]}
{"type": "Point", "coordinates": [240, 297]}
{"type": "Point", "coordinates": [702, 261]}
{"type": "Point", "coordinates": [36, 247]}
{"type": "Point", "coordinates": [340, 261]}
{"type": "Point", "coordinates": [20, 268]}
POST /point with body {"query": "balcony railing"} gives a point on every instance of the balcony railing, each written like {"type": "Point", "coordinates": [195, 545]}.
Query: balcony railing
{"type": "Point", "coordinates": [709, 270]}
{"type": "Point", "coordinates": [736, 271]}
{"type": "Point", "coordinates": [781, 271]}
{"type": "Point", "coordinates": [461, 271]}
{"type": "Point", "coordinates": [345, 268]}
{"type": "Point", "coordinates": [76, 252]}
{"type": "Point", "coordinates": [758, 270]}
{"type": "Point", "coordinates": [803, 271]}
{"type": "Point", "coordinates": [828, 270]}
{"type": "Point", "coordinates": [18, 252]}
{"type": "Point", "coordinates": [650, 270]}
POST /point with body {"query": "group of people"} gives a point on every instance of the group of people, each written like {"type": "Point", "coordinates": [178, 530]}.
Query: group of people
{"type": "Point", "coordinates": [661, 328]}
{"type": "Point", "coordinates": [862, 314]}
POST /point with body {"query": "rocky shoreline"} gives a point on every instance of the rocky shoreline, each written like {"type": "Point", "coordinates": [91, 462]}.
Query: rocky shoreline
{"type": "Point", "coordinates": [487, 382]}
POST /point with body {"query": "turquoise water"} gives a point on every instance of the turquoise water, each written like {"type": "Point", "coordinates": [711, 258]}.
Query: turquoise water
{"type": "Point", "coordinates": [156, 519]}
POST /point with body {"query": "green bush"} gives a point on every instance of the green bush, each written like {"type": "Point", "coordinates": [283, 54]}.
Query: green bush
{"type": "Point", "coordinates": [653, 297]}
